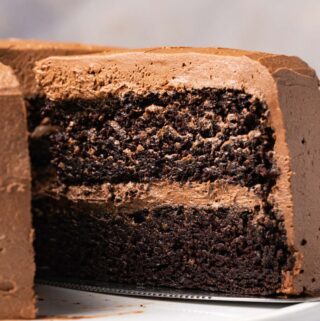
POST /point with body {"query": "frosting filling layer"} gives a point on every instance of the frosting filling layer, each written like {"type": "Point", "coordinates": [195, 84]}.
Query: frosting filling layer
{"type": "Point", "coordinates": [138, 196]}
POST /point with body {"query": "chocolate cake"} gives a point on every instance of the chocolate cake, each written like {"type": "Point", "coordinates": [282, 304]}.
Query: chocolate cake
{"type": "Point", "coordinates": [16, 236]}
{"type": "Point", "coordinates": [180, 167]}
{"type": "Point", "coordinates": [16, 256]}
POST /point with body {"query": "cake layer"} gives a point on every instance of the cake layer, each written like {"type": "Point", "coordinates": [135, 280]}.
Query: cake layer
{"type": "Point", "coordinates": [223, 249]}
{"type": "Point", "coordinates": [194, 135]}
{"type": "Point", "coordinates": [161, 233]}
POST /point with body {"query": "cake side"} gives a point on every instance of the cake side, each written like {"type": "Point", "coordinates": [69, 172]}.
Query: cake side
{"type": "Point", "coordinates": [17, 299]}
{"type": "Point", "coordinates": [299, 99]}
{"type": "Point", "coordinates": [166, 70]}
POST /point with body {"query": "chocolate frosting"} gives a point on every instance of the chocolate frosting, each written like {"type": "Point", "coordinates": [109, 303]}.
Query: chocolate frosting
{"type": "Point", "coordinates": [131, 197]}
{"type": "Point", "coordinates": [286, 84]}
{"type": "Point", "coordinates": [17, 268]}
{"type": "Point", "coordinates": [21, 55]}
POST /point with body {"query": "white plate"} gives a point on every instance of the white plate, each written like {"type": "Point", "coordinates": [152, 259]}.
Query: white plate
{"type": "Point", "coordinates": [67, 303]}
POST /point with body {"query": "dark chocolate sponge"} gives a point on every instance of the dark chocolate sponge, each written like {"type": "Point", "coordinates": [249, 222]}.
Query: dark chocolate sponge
{"type": "Point", "coordinates": [198, 135]}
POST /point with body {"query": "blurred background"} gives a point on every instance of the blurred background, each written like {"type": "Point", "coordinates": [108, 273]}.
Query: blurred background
{"type": "Point", "coordinates": [277, 26]}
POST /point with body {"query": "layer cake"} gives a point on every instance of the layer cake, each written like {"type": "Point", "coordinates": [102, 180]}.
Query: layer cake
{"type": "Point", "coordinates": [180, 167]}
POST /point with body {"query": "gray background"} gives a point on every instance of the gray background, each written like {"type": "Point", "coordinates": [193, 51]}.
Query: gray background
{"type": "Point", "coordinates": [279, 26]}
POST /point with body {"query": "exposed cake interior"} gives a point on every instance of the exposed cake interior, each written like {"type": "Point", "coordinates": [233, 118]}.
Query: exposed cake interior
{"type": "Point", "coordinates": [162, 188]}
{"type": "Point", "coordinates": [199, 135]}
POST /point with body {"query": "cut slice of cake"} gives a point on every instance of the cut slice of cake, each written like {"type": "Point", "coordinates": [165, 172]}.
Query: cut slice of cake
{"type": "Point", "coordinates": [16, 256]}
{"type": "Point", "coordinates": [16, 235]}
{"type": "Point", "coordinates": [180, 167]}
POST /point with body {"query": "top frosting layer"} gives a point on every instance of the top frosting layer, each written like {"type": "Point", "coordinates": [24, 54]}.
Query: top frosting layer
{"type": "Point", "coordinates": [22, 54]}
{"type": "Point", "coordinates": [89, 77]}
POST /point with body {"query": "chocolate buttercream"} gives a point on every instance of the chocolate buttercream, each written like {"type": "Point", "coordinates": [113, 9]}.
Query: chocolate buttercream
{"type": "Point", "coordinates": [286, 84]}
{"type": "Point", "coordinates": [17, 267]}
{"type": "Point", "coordinates": [21, 55]}
{"type": "Point", "coordinates": [132, 197]}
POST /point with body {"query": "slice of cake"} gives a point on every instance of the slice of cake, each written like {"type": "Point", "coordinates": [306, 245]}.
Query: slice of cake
{"type": "Point", "coordinates": [16, 256]}
{"type": "Point", "coordinates": [179, 167]}
{"type": "Point", "coordinates": [16, 235]}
